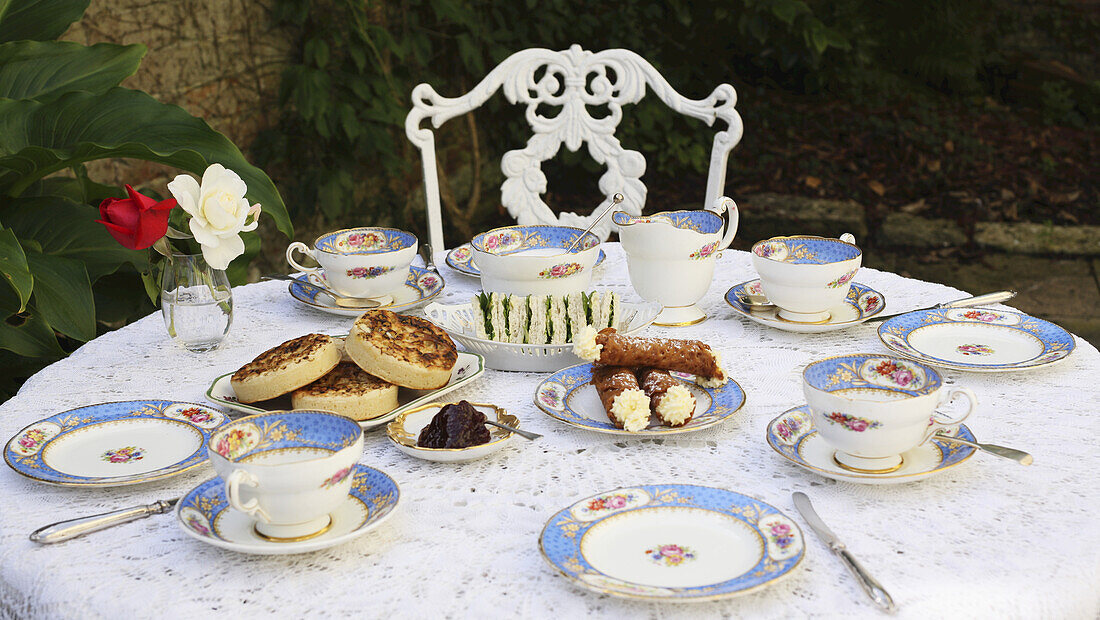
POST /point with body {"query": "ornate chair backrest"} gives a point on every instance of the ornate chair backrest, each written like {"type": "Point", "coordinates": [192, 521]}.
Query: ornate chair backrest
{"type": "Point", "coordinates": [572, 80]}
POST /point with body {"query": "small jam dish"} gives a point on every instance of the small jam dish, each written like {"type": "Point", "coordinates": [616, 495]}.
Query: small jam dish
{"type": "Point", "coordinates": [405, 429]}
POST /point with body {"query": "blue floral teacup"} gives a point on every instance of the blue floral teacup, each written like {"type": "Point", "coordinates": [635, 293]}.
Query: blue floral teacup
{"type": "Point", "coordinates": [359, 262]}
{"type": "Point", "coordinates": [287, 470]}
{"type": "Point", "coordinates": [873, 408]}
{"type": "Point", "coordinates": [805, 276]}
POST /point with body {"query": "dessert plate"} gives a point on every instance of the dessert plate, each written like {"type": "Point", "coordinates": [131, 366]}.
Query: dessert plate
{"type": "Point", "coordinates": [114, 444]}
{"type": "Point", "coordinates": [568, 396]}
{"type": "Point", "coordinates": [862, 303]}
{"type": "Point", "coordinates": [204, 513]}
{"type": "Point", "coordinates": [421, 286]}
{"type": "Point", "coordinates": [461, 260]}
{"type": "Point", "coordinates": [405, 430]}
{"type": "Point", "coordinates": [672, 542]}
{"type": "Point", "coordinates": [792, 435]}
{"type": "Point", "coordinates": [978, 339]}
{"type": "Point", "coordinates": [466, 369]}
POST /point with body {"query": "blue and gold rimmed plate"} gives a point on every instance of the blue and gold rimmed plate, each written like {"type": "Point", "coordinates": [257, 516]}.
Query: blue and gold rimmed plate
{"type": "Point", "coordinates": [792, 435]}
{"type": "Point", "coordinates": [204, 514]}
{"type": "Point", "coordinates": [862, 303]}
{"type": "Point", "coordinates": [569, 396]}
{"type": "Point", "coordinates": [420, 287]}
{"type": "Point", "coordinates": [461, 259]}
{"type": "Point", "coordinates": [672, 542]}
{"type": "Point", "coordinates": [976, 339]}
{"type": "Point", "coordinates": [114, 444]}
{"type": "Point", "coordinates": [468, 367]}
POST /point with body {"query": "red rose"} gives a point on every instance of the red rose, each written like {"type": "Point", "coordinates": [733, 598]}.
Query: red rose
{"type": "Point", "coordinates": [135, 222]}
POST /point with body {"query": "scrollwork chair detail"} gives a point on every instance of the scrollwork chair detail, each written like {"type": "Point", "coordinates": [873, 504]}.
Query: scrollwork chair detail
{"type": "Point", "coordinates": [572, 80]}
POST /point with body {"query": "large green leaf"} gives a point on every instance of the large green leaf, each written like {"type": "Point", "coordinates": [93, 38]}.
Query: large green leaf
{"type": "Point", "coordinates": [67, 229]}
{"type": "Point", "coordinates": [13, 266]}
{"type": "Point", "coordinates": [30, 337]}
{"type": "Point", "coordinates": [37, 139]}
{"type": "Point", "coordinates": [40, 20]}
{"type": "Point", "coordinates": [46, 70]}
{"type": "Point", "coordinates": [63, 295]}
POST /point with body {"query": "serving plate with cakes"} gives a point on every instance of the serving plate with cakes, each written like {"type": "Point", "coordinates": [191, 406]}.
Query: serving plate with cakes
{"type": "Point", "coordinates": [388, 363]}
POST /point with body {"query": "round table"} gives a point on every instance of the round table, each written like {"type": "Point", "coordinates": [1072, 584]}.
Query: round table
{"type": "Point", "coordinates": [986, 538]}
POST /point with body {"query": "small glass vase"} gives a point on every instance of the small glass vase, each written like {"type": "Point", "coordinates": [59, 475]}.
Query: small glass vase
{"type": "Point", "coordinates": [196, 302]}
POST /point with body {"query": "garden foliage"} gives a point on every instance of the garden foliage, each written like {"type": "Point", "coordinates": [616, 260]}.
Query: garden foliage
{"type": "Point", "coordinates": [65, 278]}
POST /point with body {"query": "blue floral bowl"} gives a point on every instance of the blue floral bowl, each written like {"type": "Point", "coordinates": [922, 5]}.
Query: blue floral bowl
{"type": "Point", "coordinates": [531, 260]}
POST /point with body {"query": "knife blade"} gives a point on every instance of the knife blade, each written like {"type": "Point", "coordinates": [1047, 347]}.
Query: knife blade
{"type": "Point", "coordinates": [966, 302]}
{"type": "Point", "coordinates": [71, 528]}
{"type": "Point", "coordinates": [870, 585]}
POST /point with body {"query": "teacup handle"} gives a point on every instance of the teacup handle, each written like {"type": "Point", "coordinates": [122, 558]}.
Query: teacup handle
{"type": "Point", "coordinates": [935, 425]}
{"type": "Point", "coordinates": [848, 238]}
{"type": "Point", "coordinates": [298, 245]}
{"type": "Point", "coordinates": [233, 493]}
{"type": "Point", "coordinates": [726, 205]}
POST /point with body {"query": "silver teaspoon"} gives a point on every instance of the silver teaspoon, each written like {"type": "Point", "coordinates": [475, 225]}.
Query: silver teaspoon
{"type": "Point", "coordinates": [524, 434]}
{"type": "Point", "coordinates": [1021, 457]}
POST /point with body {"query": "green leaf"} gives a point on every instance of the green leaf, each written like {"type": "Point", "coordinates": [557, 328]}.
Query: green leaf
{"type": "Point", "coordinates": [788, 10]}
{"type": "Point", "coordinates": [40, 20]}
{"type": "Point", "coordinates": [67, 229]}
{"type": "Point", "coordinates": [63, 295]}
{"type": "Point", "coordinates": [47, 70]}
{"type": "Point", "coordinates": [30, 336]}
{"type": "Point", "coordinates": [13, 266]}
{"type": "Point", "coordinates": [37, 139]}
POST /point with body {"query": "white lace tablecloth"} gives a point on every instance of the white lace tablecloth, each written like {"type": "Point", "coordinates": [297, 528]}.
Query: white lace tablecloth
{"type": "Point", "coordinates": [988, 538]}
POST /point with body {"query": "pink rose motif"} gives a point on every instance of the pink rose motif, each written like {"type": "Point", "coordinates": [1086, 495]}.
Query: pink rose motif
{"type": "Point", "coordinates": [617, 501]}
{"type": "Point", "coordinates": [856, 425]}
{"type": "Point", "coordinates": [492, 242]}
{"type": "Point", "coordinates": [120, 458]}
{"type": "Point", "coordinates": [781, 528]}
{"type": "Point", "coordinates": [198, 526]}
{"type": "Point", "coordinates": [557, 270]}
{"type": "Point", "coordinates": [27, 442]}
{"type": "Point", "coordinates": [903, 376]}
{"type": "Point", "coordinates": [356, 239]}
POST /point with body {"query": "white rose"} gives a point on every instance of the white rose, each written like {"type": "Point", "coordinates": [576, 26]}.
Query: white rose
{"type": "Point", "coordinates": [219, 212]}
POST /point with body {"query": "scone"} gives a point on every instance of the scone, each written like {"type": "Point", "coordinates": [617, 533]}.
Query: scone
{"type": "Point", "coordinates": [349, 391]}
{"type": "Point", "coordinates": [286, 367]}
{"type": "Point", "coordinates": [404, 350]}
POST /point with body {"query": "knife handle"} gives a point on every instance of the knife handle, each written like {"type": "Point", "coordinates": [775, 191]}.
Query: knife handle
{"type": "Point", "coordinates": [978, 300]}
{"type": "Point", "coordinates": [64, 530]}
{"type": "Point", "coordinates": [871, 586]}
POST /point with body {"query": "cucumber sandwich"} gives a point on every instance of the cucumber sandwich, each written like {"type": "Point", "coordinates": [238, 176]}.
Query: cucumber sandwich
{"type": "Point", "coordinates": [542, 319]}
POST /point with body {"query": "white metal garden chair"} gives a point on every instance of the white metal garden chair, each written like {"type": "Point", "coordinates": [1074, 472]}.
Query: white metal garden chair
{"type": "Point", "coordinates": [572, 79]}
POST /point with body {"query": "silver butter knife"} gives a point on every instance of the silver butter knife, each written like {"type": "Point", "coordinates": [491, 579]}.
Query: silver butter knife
{"type": "Point", "coordinates": [872, 587]}
{"type": "Point", "coordinates": [966, 302]}
{"type": "Point", "coordinates": [64, 530]}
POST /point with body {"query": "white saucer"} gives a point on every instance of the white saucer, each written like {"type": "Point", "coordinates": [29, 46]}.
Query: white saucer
{"type": "Point", "coordinates": [204, 514]}
{"type": "Point", "coordinates": [792, 435]}
{"type": "Point", "coordinates": [420, 287]}
{"type": "Point", "coordinates": [862, 303]}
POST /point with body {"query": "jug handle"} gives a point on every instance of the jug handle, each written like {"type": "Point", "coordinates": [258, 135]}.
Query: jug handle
{"type": "Point", "coordinates": [726, 207]}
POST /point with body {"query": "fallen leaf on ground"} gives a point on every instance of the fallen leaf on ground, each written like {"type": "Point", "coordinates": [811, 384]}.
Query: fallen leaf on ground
{"type": "Point", "coordinates": [812, 181]}
{"type": "Point", "coordinates": [877, 187]}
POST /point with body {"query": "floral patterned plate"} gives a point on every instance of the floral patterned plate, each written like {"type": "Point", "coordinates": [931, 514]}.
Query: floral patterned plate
{"type": "Point", "coordinates": [568, 396]}
{"type": "Point", "coordinates": [672, 542]}
{"type": "Point", "coordinates": [792, 435]}
{"type": "Point", "coordinates": [461, 260]}
{"type": "Point", "coordinates": [467, 368]}
{"type": "Point", "coordinates": [421, 286]}
{"type": "Point", "coordinates": [977, 339]}
{"type": "Point", "coordinates": [204, 513]}
{"type": "Point", "coordinates": [114, 444]}
{"type": "Point", "coordinates": [862, 303]}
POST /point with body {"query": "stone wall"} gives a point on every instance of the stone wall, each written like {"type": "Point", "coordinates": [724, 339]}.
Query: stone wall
{"type": "Point", "coordinates": [221, 60]}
